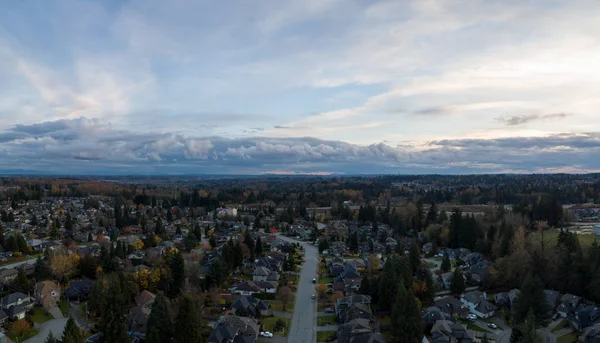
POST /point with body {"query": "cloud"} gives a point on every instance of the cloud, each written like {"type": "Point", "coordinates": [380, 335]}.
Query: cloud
{"type": "Point", "coordinates": [524, 119]}
{"type": "Point", "coordinates": [85, 145]}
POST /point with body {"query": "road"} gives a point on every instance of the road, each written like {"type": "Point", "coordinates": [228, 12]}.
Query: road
{"type": "Point", "coordinates": [16, 264]}
{"type": "Point", "coordinates": [304, 320]}
{"type": "Point", "coordinates": [57, 327]}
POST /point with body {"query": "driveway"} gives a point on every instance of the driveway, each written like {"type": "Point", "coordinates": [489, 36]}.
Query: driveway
{"type": "Point", "coordinates": [57, 327]}
{"type": "Point", "coordinates": [55, 311]}
{"type": "Point", "coordinates": [304, 320]}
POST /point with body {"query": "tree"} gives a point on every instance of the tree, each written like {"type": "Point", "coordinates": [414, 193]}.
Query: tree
{"type": "Point", "coordinates": [406, 317]}
{"type": "Point", "coordinates": [212, 241]}
{"type": "Point", "coordinates": [284, 295]}
{"type": "Point", "coordinates": [259, 247]}
{"type": "Point", "coordinates": [190, 241]}
{"type": "Point", "coordinates": [108, 298]}
{"type": "Point", "coordinates": [177, 276]}
{"type": "Point", "coordinates": [529, 330]}
{"type": "Point", "coordinates": [414, 255]}
{"type": "Point", "coordinates": [188, 328]}
{"type": "Point", "coordinates": [445, 267]}
{"type": "Point", "coordinates": [63, 266]}
{"type": "Point", "coordinates": [22, 282]}
{"type": "Point", "coordinates": [160, 320]}
{"type": "Point", "coordinates": [71, 333]}
{"type": "Point", "coordinates": [458, 282]}
{"type": "Point", "coordinates": [22, 245]}
{"type": "Point", "coordinates": [20, 326]}
{"type": "Point", "coordinates": [321, 290]}
{"type": "Point", "coordinates": [51, 338]}
{"type": "Point", "coordinates": [365, 286]}
{"type": "Point", "coordinates": [532, 298]}
{"type": "Point", "coordinates": [323, 245]}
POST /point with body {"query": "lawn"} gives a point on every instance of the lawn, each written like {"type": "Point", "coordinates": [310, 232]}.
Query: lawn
{"type": "Point", "coordinates": [563, 324]}
{"type": "Point", "coordinates": [276, 305]}
{"type": "Point", "coordinates": [429, 265]}
{"type": "Point", "coordinates": [568, 338]}
{"type": "Point", "coordinates": [323, 336]}
{"type": "Point", "coordinates": [269, 323]}
{"type": "Point", "coordinates": [471, 326]}
{"type": "Point", "coordinates": [14, 336]}
{"type": "Point", "coordinates": [64, 307]}
{"type": "Point", "coordinates": [39, 315]}
{"type": "Point", "coordinates": [551, 236]}
{"type": "Point", "coordinates": [325, 280]}
{"type": "Point", "coordinates": [322, 306]}
{"type": "Point", "coordinates": [325, 320]}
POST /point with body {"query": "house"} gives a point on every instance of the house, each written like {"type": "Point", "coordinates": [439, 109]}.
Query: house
{"type": "Point", "coordinates": [138, 318]}
{"type": "Point", "coordinates": [445, 331]}
{"type": "Point", "coordinates": [452, 306]}
{"type": "Point", "coordinates": [249, 306]}
{"type": "Point", "coordinates": [145, 299]}
{"type": "Point", "coordinates": [477, 304]}
{"type": "Point", "coordinates": [343, 303]}
{"type": "Point", "coordinates": [569, 304]}
{"type": "Point", "coordinates": [432, 314]}
{"type": "Point", "coordinates": [3, 318]}
{"type": "Point", "coordinates": [592, 335]}
{"type": "Point", "coordinates": [16, 305]}
{"type": "Point", "coordinates": [552, 298]}
{"type": "Point", "coordinates": [586, 317]}
{"type": "Point", "coordinates": [356, 311]}
{"type": "Point", "coordinates": [79, 290]}
{"type": "Point", "coordinates": [260, 274]}
{"type": "Point", "coordinates": [245, 288]}
{"type": "Point", "coordinates": [46, 294]}
{"type": "Point", "coordinates": [507, 299]}
{"type": "Point", "coordinates": [8, 275]}
{"type": "Point", "coordinates": [353, 328]}
{"type": "Point", "coordinates": [247, 328]}
{"type": "Point", "coordinates": [370, 338]}
{"type": "Point", "coordinates": [445, 280]}
{"type": "Point", "coordinates": [267, 286]}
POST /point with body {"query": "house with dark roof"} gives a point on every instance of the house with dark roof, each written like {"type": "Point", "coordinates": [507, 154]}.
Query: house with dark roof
{"type": "Point", "coordinates": [445, 331]}
{"type": "Point", "coordinates": [79, 290]}
{"type": "Point", "coordinates": [16, 305]}
{"type": "Point", "coordinates": [370, 338]}
{"type": "Point", "coordinates": [432, 314]}
{"type": "Point", "coordinates": [477, 303]}
{"type": "Point", "coordinates": [260, 274]}
{"type": "Point", "coordinates": [245, 288]}
{"type": "Point", "coordinates": [249, 306]}
{"type": "Point", "coordinates": [591, 335]}
{"type": "Point", "coordinates": [452, 306]}
{"type": "Point", "coordinates": [343, 303]}
{"type": "Point", "coordinates": [353, 328]}
{"type": "Point", "coordinates": [569, 305]}
{"type": "Point", "coordinates": [586, 317]}
{"type": "Point", "coordinates": [552, 298]}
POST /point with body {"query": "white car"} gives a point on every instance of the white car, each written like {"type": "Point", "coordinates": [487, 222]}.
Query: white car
{"type": "Point", "coordinates": [266, 334]}
{"type": "Point", "coordinates": [471, 317]}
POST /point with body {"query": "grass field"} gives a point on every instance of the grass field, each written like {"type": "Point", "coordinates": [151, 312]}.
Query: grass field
{"type": "Point", "coordinates": [563, 324]}
{"type": "Point", "coordinates": [325, 280]}
{"type": "Point", "coordinates": [39, 315]}
{"type": "Point", "coordinates": [551, 236]}
{"type": "Point", "coordinates": [325, 320]}
{"type": "Point", "coordinates": [14, 336]}
{"type": "Point", "coordinates": [269, 323]}
{"type": "Point", "coordinates": [64, 307]}
{"type": "Point", "coordinates": [323, 336]}
{"type": "Point", "coordinates": [276, 305]}
{"type": "Point", "coordinates": [568, 338]}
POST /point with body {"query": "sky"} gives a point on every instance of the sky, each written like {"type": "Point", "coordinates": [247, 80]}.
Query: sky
{"type": "Point", "coordinates": [299, 87]}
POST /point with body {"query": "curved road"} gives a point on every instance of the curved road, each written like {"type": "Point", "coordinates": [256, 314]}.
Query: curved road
{"type": "Point", "coordinates": [304, 322]}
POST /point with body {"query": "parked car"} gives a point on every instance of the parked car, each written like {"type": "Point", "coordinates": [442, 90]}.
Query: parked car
{"type": "Point", "coordinates": [556, 316]}
{"type": "Point", "coordinates": [471, 317]}
{"type": "Point", "coordinates": [492, 326]}
{"type": "Point", "coordinates": [266, 334]}
{"type": "Point", "coordinates": [313, 297]}
{"type": "Point", "coordinates": [329, 310]}
{"type": "Point", "coordinates": [314, 280]}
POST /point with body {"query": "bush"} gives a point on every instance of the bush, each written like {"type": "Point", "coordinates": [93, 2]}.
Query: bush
{"type": "Point", "coordinates": [279, 325]}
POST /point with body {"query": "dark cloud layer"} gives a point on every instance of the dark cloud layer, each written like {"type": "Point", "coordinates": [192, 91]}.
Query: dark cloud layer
{"type": "Point", "coordinates": [85, 146]}
{"type": "Point", "coordinates": [524, 119]}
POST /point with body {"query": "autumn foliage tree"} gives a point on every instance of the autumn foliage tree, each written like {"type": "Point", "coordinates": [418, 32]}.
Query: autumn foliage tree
{"type": "Point", "coordinates": [321, 290]}
{"type": "Point", "coordinates": [284, 295]}
{"type": "Point", "coordinates": [20, 326]}
{"type": "Point", "coordinates": [63, 266]}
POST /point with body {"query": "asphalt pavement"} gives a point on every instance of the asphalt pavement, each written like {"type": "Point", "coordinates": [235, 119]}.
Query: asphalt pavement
{"type": "Point", "coordinates": [304, 322]}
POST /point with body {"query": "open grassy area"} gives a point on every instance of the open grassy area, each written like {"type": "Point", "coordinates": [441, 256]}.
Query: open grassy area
{"type": "Point", "coordinates": [325, 280]}
{"type": "Point", "coordinates": [276, 305]}
{"type": "Point", "coordinates": [471, 326]}
{"type": "Point", "coordinates": [269, 324]}
{"type": "Point", "coordinates": [14, 336]}
{"type": "Point", "coordinates": [563, 324]}
{"type": "Point", "coordinates": [551, 236]}
{"type": "Point", "coordinates": [39, 315]}
{"type": "Point", "coordinates": [568, 338]}
{"type": "Point", "coordinates": [64, 307]}
{"type": "Point", "coordinates": [322, 306]}
{"type": "Point", "coordinates": [323, 336]}
{"type": "Point", "coordinates": [325, 320]}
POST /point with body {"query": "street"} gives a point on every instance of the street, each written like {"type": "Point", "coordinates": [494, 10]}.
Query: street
{"type": "Point", "coordinates": [302, 328]}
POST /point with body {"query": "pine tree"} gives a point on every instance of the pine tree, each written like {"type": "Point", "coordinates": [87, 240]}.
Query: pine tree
{"type": "Point", "coordinates": [188, 328]}
{"type": "Point", "coordinates": [529, 330]}
{"type": "Point", "coordinates": [259, 247]}
{"type": "Point", "coordinates": [113, 309]}
{"type": "Point", "coordinates": [458, 282]}
{"type": "Point", "coordinates": [446, 263]}
{"type": "Point", "coordinates": [406, 325]}
{"type": "Point", "coordinates": [177, 276]}
{"type": "Point", "coordinates": [22, 281]}
{"type": "Point", "coordinates": [388, 285]}
{"type": "Point", "coordinates": [51, 338]}
{"type": "Point", "coordinates": [160, 320]}
{"type": "Point", "coordinates": [71, 333]}
{"type": "Point", "coordinates": [42, 270]}
{"type": "Point", "coordinates": [120, 250]}
{"type": "Point", "coordinates": [414, 257]}
{"type": "Point", "coordinates": [365, 286]}
{"type": "Point", "coordinates": [22, 244]}
{"type": "Point", "coordinates": [213, 242]}
{"type": "Point", "coordinates": [532, 297]}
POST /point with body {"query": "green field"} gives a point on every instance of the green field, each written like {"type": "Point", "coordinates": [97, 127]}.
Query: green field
{"type": "Point", "coordinates": [39, 315]}
{"type": "Point", "coordinates": [325, 320]}
{"type": "Point", "coordinates": [551, 236]}
{"type": "Point", "coordinates": [323, 336]}
{"type": "Point", "coordinates": [269, 323]}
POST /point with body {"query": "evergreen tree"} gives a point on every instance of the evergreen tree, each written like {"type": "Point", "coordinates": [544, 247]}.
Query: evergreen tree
{"type": "Point", "coordinates": [188, 328]}
{"type": "Point", "coordinates": [71, 333]}
{"type": "Point", "coordinates": [51, 338]}
{"type": "Point", "coordinates": [455, 227]}
{"type": "Point", "coordinates": [458, 282]}
{"type": "Point", "coordinates": [22, 282]}
{"type": "Point", "coordinates": [160, 321]}
{"type": "Point", "coordinates": [159, 228]}
{"type": "Point", "coordinates": [111, 305]}
{"type": "Point", "coordinates": [42, 270]}
{"type": "Point", "coordinates": [445, 267]}
{"type": "Point", "coordinates": [414, 256]}
{"type": "Point", "coordinates": [177, 276]}
{"type": "Point", "coordinates": [388, 284]}
{"type": "Point", "coordinates": [532, 297]}
{"type": "Point", "coordinates": [213, 242]}
{"type": "Point", "coordinates": [22, 245]}
{"type": "Point", "coordinates": [365, 286]}
{"type": "Point", "coordinates": [120, 250]}
{"type": "Point", "coordinates": [190, 241]}
{"type": "Point", "coordinates": [2, 240]}
{"type": "Point", "coordinates": [406, 317]}
{"type": "Point", "coordinates": [198, 231]}
{"type": "Point", "coordinates": [249, 241]}
{"type": "Point", "coordinates": [259, 247]}
{"type": "Point", "coordinates": [432, 215]}
{"type": "Point", "coordinates": [529, 330]}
